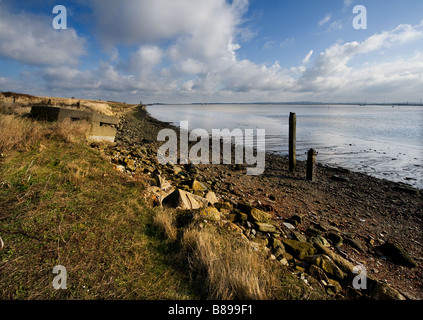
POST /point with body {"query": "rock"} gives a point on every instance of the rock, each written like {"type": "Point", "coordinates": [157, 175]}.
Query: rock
{"type": "Point", "coordinates": [191, 169]}
{"type": "Point", "coordinates": [333, 287]}
{"type": "Point", "coordinates": [161, 182]}
{"type": "Point", "coordinates": [326, 264]}
{"type": "Point", "coordinates": [160, 194]}
{"type": "Point", "coordinates": [184, 200]}
{"type": "Point", "coordinates": [259, 215]}
{"type": "Point", "coordinates": [298, 236]}
{"type": "Point", "coordinates": [288, 225]}
{"type": "Point", "coordinates": [301, 250]}
{"type": "Point", "coordinates": [211, 197]}
{"type": "Point", "coordinates": [339, 178]}
{"type": "Point", "coordinates": [209, 213]}
{"type": "Point", "coordinates": [223, 205]}
{"type": "Point", "coordinates": [397, 254]}
{"type": "Point", "coordinates": [317, 273]}
{"type": "Point", "coordinates": [120, 168]}
{"type": "Point", "coordinates": [130, 164]}
{"type": "Point", "coordinates": [314, 232]}
{"type": "Point", "coordinates": [234, 228]}
{"type": "Point", "coordinates": [266, 227]}
{"type": "Point", "coordinates": [320, 240]}
{"type": "Point", "coordinates": [275, 243]}
{"type": "Point", "coordinates": [356, 244]}
{"type": "Point", "coordinates": [197, 186]}
{"type": "Point", "coordinates": [382, 291]}
{"type": "Point", "coordinates": [232, 217]}
{"type": "Point", "coordinates": [240, 215]}
{"type": "Point", "coordinates": [295, 219]}
{"type": "Point", "coordinates": [263, 242]}
{"type": "Point", "coordinates": [346, 266]}
{"type": "Point", "coordinates": [334, 238]}
{"type": "Point", "coordinates": [176, 169]}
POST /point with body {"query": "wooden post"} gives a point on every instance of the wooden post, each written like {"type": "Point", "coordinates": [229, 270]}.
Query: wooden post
{"type": "Point", "coordinates": [311, 165]}
{"type": "Point", "coordinates": [292, 141]}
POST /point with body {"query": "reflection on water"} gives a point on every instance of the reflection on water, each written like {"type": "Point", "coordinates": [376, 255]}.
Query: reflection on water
{"type": "Point", "coordinates": [382, 141]}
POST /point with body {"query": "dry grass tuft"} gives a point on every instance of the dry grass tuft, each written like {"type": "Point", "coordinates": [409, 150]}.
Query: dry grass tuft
{"type": "Point", "coordinates": [17, 133]}
{"type": "Point", "coordinates": [164, 221]}
{"type": "Point", "coordinates": [72, 131]}
{"type": "Point", "coordinates": [232, 269]}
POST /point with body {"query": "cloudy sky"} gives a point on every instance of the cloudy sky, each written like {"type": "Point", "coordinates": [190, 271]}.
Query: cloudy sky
{"type": "Point", "coordinates": [181, 51]}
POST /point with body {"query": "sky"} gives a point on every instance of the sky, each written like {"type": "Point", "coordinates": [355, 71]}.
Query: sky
{"type": "Point", "coordinates": [186, 51]}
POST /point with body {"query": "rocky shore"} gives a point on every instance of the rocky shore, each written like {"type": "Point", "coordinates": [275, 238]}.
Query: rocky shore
{"type": "Point", "coordinates": [320, 231]}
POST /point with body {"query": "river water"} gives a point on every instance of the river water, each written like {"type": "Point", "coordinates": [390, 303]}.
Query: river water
{"type": "Point", "coordinates": [383, 141]}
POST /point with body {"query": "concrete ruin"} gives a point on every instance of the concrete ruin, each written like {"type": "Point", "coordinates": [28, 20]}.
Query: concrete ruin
{"type": "Point", "coordinates": [103, 128]}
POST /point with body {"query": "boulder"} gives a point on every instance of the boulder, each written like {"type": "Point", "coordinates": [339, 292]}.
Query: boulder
{"type": "Point", "coordinates": [259, 215]}
{"type": "Point", "coordinates": [320, 240]}
{"type": "Point", "coordinates": [335, 238]}
{"type": "Point", "coordinates": [346, 266]}
{"type": "Point", "coordinates": [183, 200]}
{"type": "Point", "coordinates": [209, 213]}
{"type": "Point", "coordinates": [327, 265]}
{"type": "Point", "coordinates": [301, 250]}
{"type": "Point", "coordinates": [223, 206]}
{"type": "Point", "coordinates": [160, 194]}
{"type": "Point", "coordinates": [161, 182]}
{"type": "Point", "coordinates": [397, 254]}
{"type": "Point", "coordinates": [382, 291]}
{"type": "Point", "coordinates": [197, 186]}
{"type": "Point", "coordinates": [266, 227]}
{"type": "Point", "coordinates": [211, 197]}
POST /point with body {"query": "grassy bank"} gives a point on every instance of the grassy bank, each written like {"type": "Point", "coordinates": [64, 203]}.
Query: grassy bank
{"type": "Point", "coordinates": [62, 203]}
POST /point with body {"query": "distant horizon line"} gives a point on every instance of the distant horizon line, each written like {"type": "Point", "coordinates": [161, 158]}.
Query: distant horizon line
{"type": "Point", "coordinates": [298, 103]}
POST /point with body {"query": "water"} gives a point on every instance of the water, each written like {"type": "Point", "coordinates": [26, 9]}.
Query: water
{"type": "Point", "coordinates": [382, 141]}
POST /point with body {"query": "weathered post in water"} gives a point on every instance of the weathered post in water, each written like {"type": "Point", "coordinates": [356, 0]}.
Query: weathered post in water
{"type": "Point", "coordinates": [311, 165]}
{"type": "Point", "coordinates": [292, 141]}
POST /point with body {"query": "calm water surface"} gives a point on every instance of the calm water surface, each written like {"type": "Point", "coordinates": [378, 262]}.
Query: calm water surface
{"type": "Point", "coordinates": [382, 141]}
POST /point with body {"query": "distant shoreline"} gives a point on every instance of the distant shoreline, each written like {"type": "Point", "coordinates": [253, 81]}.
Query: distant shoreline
{"type": "Point", "coordinates": [300, 103]}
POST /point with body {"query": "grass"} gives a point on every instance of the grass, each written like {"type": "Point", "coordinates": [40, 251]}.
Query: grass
{"type": "Point", "coordinates": [63, 204]}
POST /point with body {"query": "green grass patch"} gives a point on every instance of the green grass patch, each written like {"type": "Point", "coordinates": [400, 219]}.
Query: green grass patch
{"type": "Point", "coordinates": [62, 204]}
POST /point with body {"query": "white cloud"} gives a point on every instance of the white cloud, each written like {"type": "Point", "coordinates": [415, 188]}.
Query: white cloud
{"type": "Point", "coordinates": [347, 3]}
{"type": "Point", "coordinates": [188, 49]}
{"type": "Point", "coordinates": [145, 59]}
{"type": "Point", "coordinates": [31, 39]}
{"type": "Point", "coordinates": [331, 73]}
{"type": "Point", "coordinates": [325, 19]}
{"type": "Point", "coordinates": [306, 60]}
{"type": "Point", "coordinates": [335, 25]}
